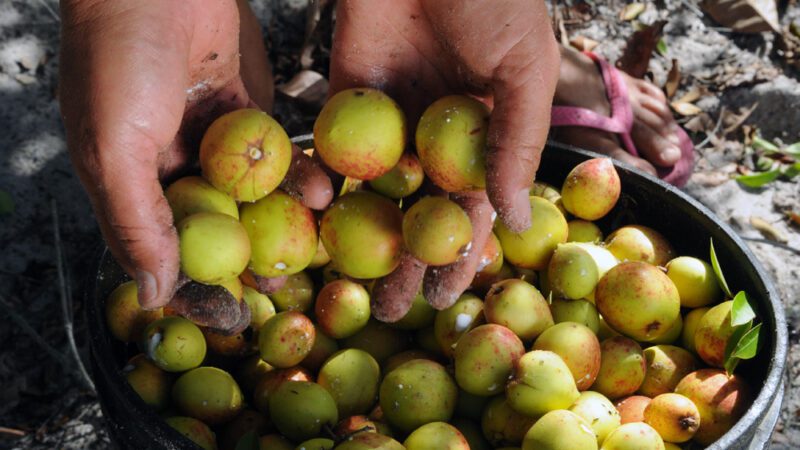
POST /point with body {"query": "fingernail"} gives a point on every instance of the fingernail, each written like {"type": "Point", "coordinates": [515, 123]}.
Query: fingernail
{"type": "Point", "coordinates": [147, 288]}
{"type": "Point", "coordinates": [671, 154]}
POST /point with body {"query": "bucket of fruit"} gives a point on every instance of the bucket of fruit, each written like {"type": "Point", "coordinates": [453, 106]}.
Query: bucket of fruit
{"type": "Point", "coordinates": [627, 317]}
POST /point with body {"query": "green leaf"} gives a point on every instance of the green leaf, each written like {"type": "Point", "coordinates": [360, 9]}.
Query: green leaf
{"type": "Point", "coordinates": [718, 272]}
{"type": "Point", "coordinates": [759, 179]}
{"type": "Point", "coordinates": [747, 347]}
{"type": "Point", "coordinates": [6, 203]}
{"type": "Point", "coordinates": [760, 143]}
{"type": "Point", "coordinates": [248, 441]}
{"type": "Point", "coordinates": [729, 361]}
{"type": "Point", "coordinates": [661, 47]}
{"type": "Point", "coordinates": [792, 170]}
{"type": "Point", "coordinates": [793, 150]}
{"type": "Point", "coordinates": [741, 311]}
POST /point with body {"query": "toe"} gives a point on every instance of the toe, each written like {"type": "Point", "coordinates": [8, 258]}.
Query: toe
{"type": "Point", "coordinates": [653, 145]}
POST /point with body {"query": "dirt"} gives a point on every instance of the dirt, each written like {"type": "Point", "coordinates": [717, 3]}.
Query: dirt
{"type": "Point", "coordinates": [46, 403]}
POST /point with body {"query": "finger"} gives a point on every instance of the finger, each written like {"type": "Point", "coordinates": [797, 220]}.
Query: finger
{"type": "Point", "coordinates": [653, 146]}
{"type": "Point", "coordinates": [307, 181]}
{"type": "Point", "coordinates": [443, 285]}
{"type": "Point", "coordinates": [393, 294]}
{"type": "Point", "coordinates": [264, 285]}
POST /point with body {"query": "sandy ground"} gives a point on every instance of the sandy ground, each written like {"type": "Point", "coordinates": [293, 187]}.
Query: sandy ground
{"type": "Point", "coordinates": [43, 400]}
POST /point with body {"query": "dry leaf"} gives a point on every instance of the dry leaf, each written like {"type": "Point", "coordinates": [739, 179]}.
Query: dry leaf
{"type": "Point", "coordinates": [768, 230]}
{"type": "Point", "coordinates": [685, 109]}
{"type": "Point", "coordinates": [639, 49]}
{"type": "Point", "coordinates": [795, 218]}
{"type": "Point", "coordinates": [744, 16]}
{"type": "Point", "coordinates": [673, 79]}
{"type": "Point", "coordinates": [306, 86]}
{"type": "Point", "coordinates": [632, 11]}
{"type": "Point", "coordinates": [692, 95]}
{"type": "Point", "coordinates": [709, 179]}
{"type": "Point", "coordinates": [732, 121]}
{"type": "Point", "coordinates": [700, 123]}
{"type": "Point", "coordinates": [583, 43]}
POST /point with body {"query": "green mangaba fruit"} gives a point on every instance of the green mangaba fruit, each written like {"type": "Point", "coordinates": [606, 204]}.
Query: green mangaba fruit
{"type": "Point", "coordinates": [491, 260]}
{"type": "Point", "coordinates": [622, 367]}
{"type": "Point", "coordinates": [300, 410]}
{"type": "Point", "coordinates": [151, 383]}
{"type": "Point", "coordinates": [633, 436]}
{"type": "Point", "coordinates": [342, 308]}
{"type": "Point", "coordinates": [502, 425]}
{"type": "Point", "coordinates": [362, 233]}
{"type": "Point", "coordinates": [436, 231]}
{"type": "Point", "coordinates": [421, 315]}
{"type": "Point", "coordinates": [320, 258]}
{"type": "Point", "coordinates": [697, 285]}
{"type": "Point", "coordinates": [378, 339]}
{"type": "Point", "coordinates": [283, 234]}
{"type": "Point", "coordinates": [666, 365]}
{"type": "Point", "coordinates": [518, 306]}
{"type": "Point", "coordinates": [578, 346]}
{"type": "Point", "coordinates": [274, 442]}
{"type": "Point", "coordinates": [214, 247]}
{"type": "Point", "coordinates": [268, 383]}
{"type": "Point", "coordinates": [560, 429]}
{"type": "Point", "coordinates": [125, 317]}
{"type": "Point", "coordinates": [286, 339]}
{"type": "Point", "coordinates": [482, 281]}
{"type": "Point", "coordinates": [579, 311]}
{"type": "Point", "coordinates": [674, 416]}
{"type": "Point", "coordinates": [209, 394]}
{"type": "Point", "coordinates": [690, 323]}
{"type": "Point", "coordinates": [174, 344]}
{"type": "Point", "coordinates": [401, 358]}
{"type": "Point", "coordinates": [583, 231]}
{"type": "Point", "coordinates": [436, 436]}
{"type": "Point", "coordinates": [485, 358]}
{"type": "Point", "coordinates": [638, 300]}
{"type": "Point", "coordinates": [191, 195]}
{"type": "Point", "coordinates": [360, 133]}
{"type": "Point", "coordinates": [451, 143]}
{"type": "Point", "coordinates": [605, 331]}
{"type": "Point", "coordinates": [369, 441]}
{"type": "Point", "coordinates": [598, 411]}
{"type": "Point", "coordinates": [250, 371]}
{"type": "Point", "coordinates": [297, 294]}
{"type": "Point", "coordinates": [451, 323]}
{"type": "Point", "coordinates": [591, 189]}
{"type": "Point", "coordinates": [631, 408]}
{"type": "Point", "coordinates": [351, 376]}
{"type": "Point", "coordinates": [316, 444]}
{"type": "Point", "coordinates": [471, 431]}
{"type": "Point", "coordinates": [261, 307]}
{"type": "Point", "coordinates": [576, 267]}
{"type": "Point", "coordinates": [194, 430]}
{"type": "Point", "coordinates": [402, 180]}
{"type": "Point", "coordinates": [549, 193]}
{"type": "Point", "coordinates": [532, 248]}
{"type": "Point", "coordinates": [418, 392]}
{"type": "Point", "coordinates": [640, 243]}
{"type": "Point", "coordinates": [226, 346]}
{"type": "Point", "coordinates": [324, 346]}
{"type": "Point", "coordinates": [246, 154]}
{"type": "Point", "coordinates": [541, 382]}
{"type": "Point", "coordinates": [713, 333]}
{"type": "Point", "coordinates": [248, 421]}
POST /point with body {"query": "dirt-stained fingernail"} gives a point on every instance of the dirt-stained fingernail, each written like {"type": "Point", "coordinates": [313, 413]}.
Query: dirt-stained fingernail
{"type": "Point", "coordinates": [147, 288]}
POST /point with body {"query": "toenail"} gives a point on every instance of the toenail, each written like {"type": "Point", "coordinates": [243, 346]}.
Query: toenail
{"type": "Point", "coordinates": [671, 154]}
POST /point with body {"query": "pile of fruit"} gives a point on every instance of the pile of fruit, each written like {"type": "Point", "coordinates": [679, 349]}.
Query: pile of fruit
{"type": "Point", "coordinates": [566, 339]}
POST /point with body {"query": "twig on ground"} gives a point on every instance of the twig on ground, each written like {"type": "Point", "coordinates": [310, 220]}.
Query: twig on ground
{"type": "Point", "coordinates": [28, 329]}
{"type": "Point", "coordinates": [786, 247]}
{"type": "Point", "coordinates": [697, 11]}
{"type": "Point", "coordinates": [50, 10]}
{"type": "Point", "coordinates": [713, 133]}
{"type": "Point", "coordinates": [12, 431]}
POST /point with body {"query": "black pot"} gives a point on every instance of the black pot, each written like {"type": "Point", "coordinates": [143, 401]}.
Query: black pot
{"type": "Point", "coordinates": [686, 223]}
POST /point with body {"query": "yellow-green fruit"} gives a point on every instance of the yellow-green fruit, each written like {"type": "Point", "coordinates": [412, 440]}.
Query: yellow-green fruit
{"type": "Point", "coordinates": [436, 436]}
{"type": "Point", "coordinates": [250, 371]}
{"type": "Point", "coordinates": [518, 306]}
{"type": "Point", "coordinates": [485, 358]}
{"type": "Point", "coordinates": [631, 408]}
{"type": "Point", "coordinates": [351, 376]}
{"type": "Point", "coordinates": [301, 409]}
{"type": "Point", "coordinates": [324, 346]}
{"type": "Point", "coordinates": [605, 331]}
{"type": "Point", "coordinates": [502, 425]}
{"type": "Point", "coordinates": [261, 307]}
{"type": "Point", "coordinates": [546, 191]}
{"type": "Point", "coordinates": [633, 436]}
{"type": "Point", "coordinates": [451, 143]}
{"type": "Point", "coordinates": [362, 232]}
{"type": "Point", "coordinates": [378, 339]}
{"type": "Point", "coordinates": [436, 231]}
{"type": "Point", "coordinates": [713, 333]}
{"type": "Point", "coordinates": [208, 394]}
{"type": "Point", "coordinates": [286, 339]}
{"type": "Point", "coordinates": [671, 446]}
{"type": "Point", "coordinates": [638, 300]}
{"type": "Point", "coordinates": [248, 421]}
{"type": "Point", "coordinates": [191, 195]}
{"type": "Point", "coordinates": [583, 231]}
{"type": "Point", "coordinates": [578, 346]}
{"type": "Point", "coordinates": [622, 367]}
{"type": "Point", "coordinates": [360, 133]}
{"type": "Point", "coordinates": [541, 382]}
{"type": "Point", "coordinates": [316, 444]}
{"type": "Point", "coordinates": [297, 294]}
{"type": "Point", "coordinates": [672, 334]}
{"type": "Point", "coordinates": [235, 287]}
{"type": "Point", "coordinates": [125, 318]}
{"type": "Point", "coordinates": [342, 308]}
{"type": "Point", "coordinates": [491, 260]}
{"type": "Point", "coordinates": [174, 344]}
{"type": "Point", "coordinates": [532, 248]}
{"type": "Point", "coordinates": [320, 258]}
{"type": "Point", "coordinates": [401, 358]}
{"type": "Point", "coordinates": [690, 323]}
{"type": "Point", "coordinates": [576, 267]}
{"type": "Point", "coordinates": [666, 365]}
{"type": "Point", "coordinates": [227, 346]}
{"type": "Point", "coordinates": [283, 234]}
{"type": "Point", "coordinates": [194, 430]}
{"type": "Point", "coordinates": [214, 247]}
{"type": "Point", "coordinates": [471, 431]}
{"type": "Point", "coordinates": [402, 180]}
{"type": "Point", "coordinates": [246, 154]}
{"type": "Point", "coordinates": [420, 315]}
{"type": "Point", "coordinates": [369, 441]}
{"type": "Point", "coordinates": [151, 383]}
{"type": "Point", "coordinates": [268, 383]}
{"type": "Point", "coordinates": [598, 411]}
{"type": "Point", "coordinates": [579, 311]}
{"type": "Point", "coordinates": [640, 243]}
{"type": "Point", "coordinates": [591, 189]}
{"type": "Point", "coordinates": [451, 323]}
{"type": "Point", "coordinates": [416, 393]}
{"type": "Point", "coordinates": [560, 429]}
{"type": "Point", "coordinates": [674, 416]}
{"type": "Point", "coordinates": [695, 280]}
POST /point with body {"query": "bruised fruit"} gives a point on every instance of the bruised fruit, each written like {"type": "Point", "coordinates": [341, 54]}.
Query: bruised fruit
{"type": "Point", "coordinates": [633, 436]}
{"type": "Point", "coordinates": [640, 243]}
{"type": "Point", "coordinates": [268, 383]}
{"type": "Point", "coordinates": [560, 429]}
{"type": "Point", "coordinates": [378, 339]}
{"type": "Point", "coordinates": [342, 308]}
{"type": "Point", "coordinates": [194, 430]}
{"type": "Point", "coordinates": [261, 307]}
{"type": "Point", "coordinates": [297, 294]}
{"type": "Point", "coordinates": [502, 425]}
{"type": "Point", "coordinates": [191, 195]}
{"type": "Point", "coordinates": [353, 425]}
{"type": "Point", "coordinates": [360, 133]}
{"type": "Point", "coordinates": [402, 180]}
{"type": "Point", "coordinates": [301, 409]}
{"type": "Point", "coordinates": [598, 412]}
{"type": "Point", "coordinates": [246, 154]}
{"type": "Point", "coordinates": [451, 143]}
{"type": "Point", "coordinates": [248, 421]}
{"type": "Point", "coordinates": [518, 306]}
{"type": "Point", "coordinates": [283, 234]}
{"type": "Point", "coordinates": [208, 394]}
{"type": "Point", "coordinates": [420, 315]}
{"type": "Point", "coordinates": [697, 285]}
{"type": "Point", "coordinates": [151, 383]}
{"type": "Point", "coordinates": [631, 409]}
{"type": "Point", "coordinates": [532, 248]}
{"type": "Point", "coordinates": [286, 339]}
{"type": "Point", "coordinates": [174, 344]}
{"type": "Point", "coordinates": [214, 247]}
{"type": "Point", "coordinates": [437, 231]}
{"type": "Point", "coordinates": [274, 442]}
{"type": "Point", "coordinates": [324, 346]}
{"type": "Point", "coordinates": [591, 189]}
{"type": "Point", "coordinates": [583, 231]}
{"type": "Point", "coordinates": [666, 367]}
{"type": "Point", "coordinates": [351, 376]}
{"type": "Point", "coordinates": [451, 323]}
{"type": "Point", "coordinates": [674, 416]}
{"type": "Point", "coordinates": [690, 323]}
{"type": "Point", "coordinates": [436, 436]}
{"type": "Point", "coordinates": [622, 367]}
{"type": "Point", "coordinates": [316, 444]}
{"type": "Point", "coordinates": [125, 318]}
{"type": "Point", "coordinates": [485, 358]}
{"type": "Point", "coordinates": [712, 334]}
{"type": "Point", "coordinates": [638, 300]}
{"type": "Point", "coordinates": [362, 232]}
{"type": "Point", "coordinates": [369, 441]}
{"type": "Point", "coordinates": [576, 267]}
{"type": "Point", "coordinates": [418, 392]}
{"type": "Point", "coordinates": [579, 311]}
{"type": "Point", "coordinates": [672, 334]}
{"type": "Point", "coordinates": [578, 346]}
{"type": "Point", "coordinates": [541, 382]}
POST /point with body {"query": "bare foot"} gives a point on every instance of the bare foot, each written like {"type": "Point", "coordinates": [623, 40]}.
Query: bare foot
{"type": "Point", "coordinates": [581, 84]}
